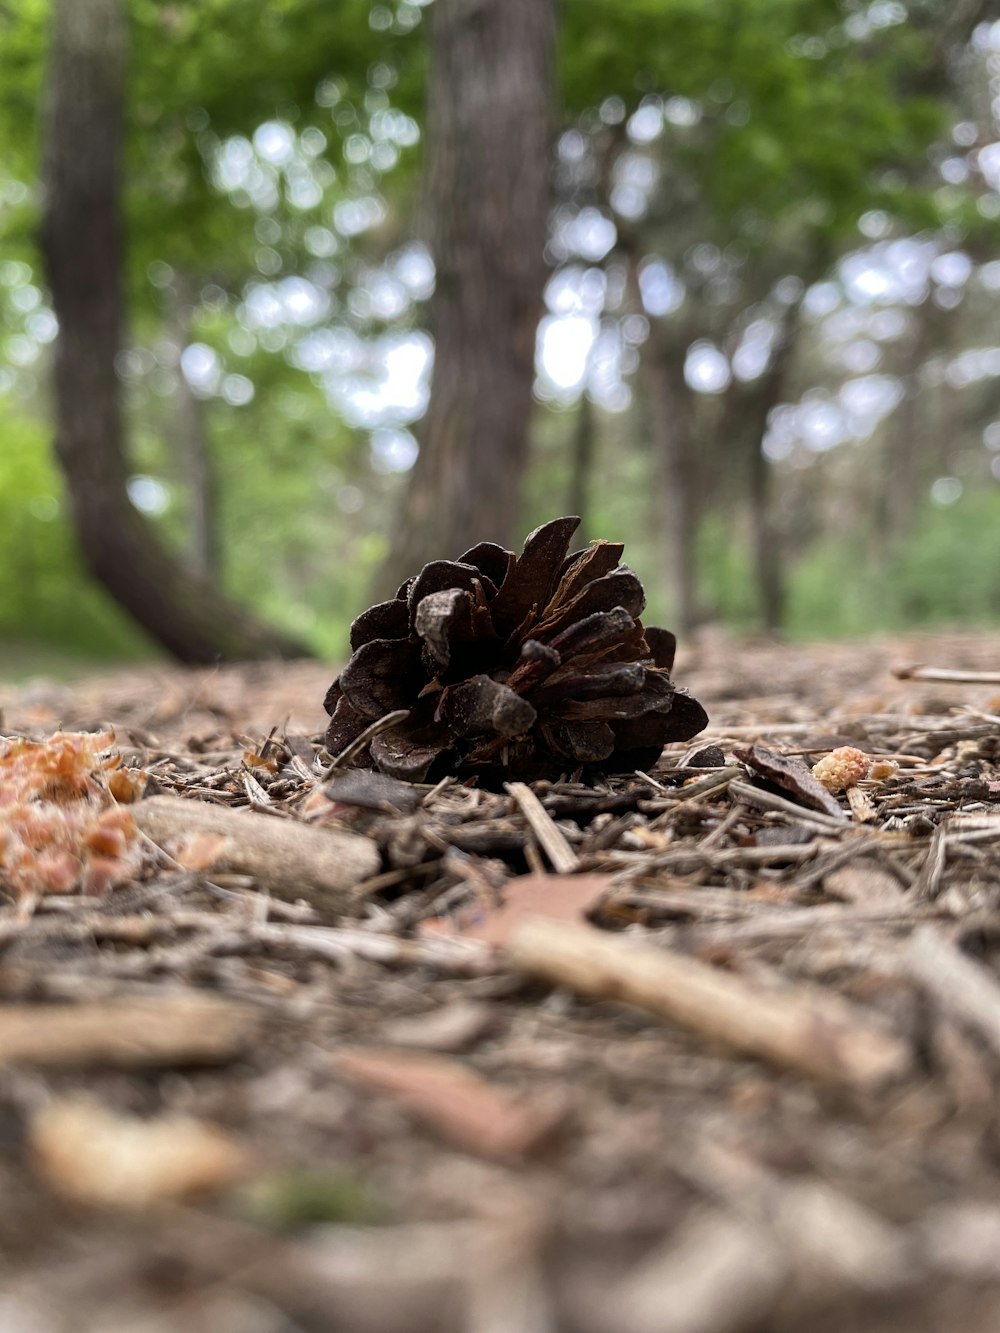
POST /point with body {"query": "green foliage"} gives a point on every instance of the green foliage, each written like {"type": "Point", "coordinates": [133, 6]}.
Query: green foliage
{"type": "Point", "coordinates": [295, 1198]}
{"type": "Point", "coordinates": [800, 128]}
{"type": "Point", "coordinates": [46, 600]}
{"type": "Point", "coordinates": [797, 117]}
{"type": "Point", "coordinates": [944, 572]}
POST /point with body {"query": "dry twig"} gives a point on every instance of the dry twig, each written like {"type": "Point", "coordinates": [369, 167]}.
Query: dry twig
{"type": "Point", "coordinates": [292, 860]}
{"type": "Point", "coordinates": [130, 1032]}
{"type": "Point", "coordinates": [799, 1028]}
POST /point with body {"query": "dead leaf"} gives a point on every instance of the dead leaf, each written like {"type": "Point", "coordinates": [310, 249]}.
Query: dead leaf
{"type": "Point", "coordinates": [791, 775]}
{"type": "Point", "coordinates": [93, 1155]}
{"type": "Point", "coordinates": [559, 897]}
{"type": "Point", "coordinates": [200, 852]}
{"type": "Point", "coordinates": [454, 1101]}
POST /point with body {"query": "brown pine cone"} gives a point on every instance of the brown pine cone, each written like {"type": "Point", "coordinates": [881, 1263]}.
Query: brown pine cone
{"type": "Point", "coordinates": [512, 667]}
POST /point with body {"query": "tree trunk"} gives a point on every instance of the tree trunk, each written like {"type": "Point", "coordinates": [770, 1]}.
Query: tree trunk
{"type": "Point", "coordinates": [83, 245]}
{"type": "Point", "coordinates": [488, 142]}
{"type": "Point", "coordinates": [678, 491]}
{"type": "Point", "coordinates": [768, 557]}
{"type": "Point", "coordinates": [581, 464]}
{"type": "Point", "coordinates": [192, 447]}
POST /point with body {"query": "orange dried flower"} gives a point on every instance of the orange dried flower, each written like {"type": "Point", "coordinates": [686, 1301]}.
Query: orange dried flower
{"type": "Point", "coordinates": [60, 829]}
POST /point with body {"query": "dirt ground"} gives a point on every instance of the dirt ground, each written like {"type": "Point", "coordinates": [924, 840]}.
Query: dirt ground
{"type": "Point", "coordinates": [742, 1074]}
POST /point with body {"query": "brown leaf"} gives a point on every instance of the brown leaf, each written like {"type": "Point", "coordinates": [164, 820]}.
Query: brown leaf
{"type": "Point", "coordinates": [559, 897]}
{"type": "Point", "coordinates": [792, 776]}
{"type": "Point", "coordinates": [200, 852]}
{"type": "Point", "coordinates": [454, 1101]}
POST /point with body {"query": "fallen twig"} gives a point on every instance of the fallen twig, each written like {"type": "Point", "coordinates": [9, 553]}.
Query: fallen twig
{"type": "Point", "coordinates": [946, 674]}
{"type": "Point", "coordinates": [291, 859]}
{"type": "Point", "coordinates": [552, 839]}
{"type": "Point", "coordinates": [800, 1028]}
{"type": "Point", "coordinates": [129, 1032]}
{"type": "Point", "coordinates": [963, 989]}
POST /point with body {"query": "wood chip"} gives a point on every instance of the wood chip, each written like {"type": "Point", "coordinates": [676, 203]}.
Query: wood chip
{"type": "Point", "coordinates": [128, 1033]}
{"type": "Point", "coordinates": [557, 897]}
{"type": "Point", "coordinates": [93, 1155]}
{"type": "Point", "coordinates": [865, 884]}
{"type": "Point", "coordinates": [719, 1275]}
{"type": "Point", "coordinates": [290, 859]}
{"type": "Point", "coordinates": [800, 1028]}
{"type": "Point", "coordinates": [963, 988]}
{"type": "Point", "coordinates": [454, 1101]}
{"type": "Point", "coordinates": [553, 841]}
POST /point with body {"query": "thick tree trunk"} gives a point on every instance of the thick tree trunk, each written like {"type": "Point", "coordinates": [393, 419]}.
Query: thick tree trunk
{"type": "Point", "coordinates": [83, 243]}
{"type": "Point", "coordinates": [488, 144]}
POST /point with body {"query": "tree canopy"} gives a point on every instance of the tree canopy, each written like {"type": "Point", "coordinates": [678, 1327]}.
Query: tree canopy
{"type": "Point", "coordinates": [708, 158]}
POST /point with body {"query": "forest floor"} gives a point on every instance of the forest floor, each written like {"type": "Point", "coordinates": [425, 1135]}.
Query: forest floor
{"type": "Point", "coordinates": [728, 1060]}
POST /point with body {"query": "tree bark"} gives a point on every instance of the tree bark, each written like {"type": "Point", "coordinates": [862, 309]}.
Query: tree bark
{"type": "Point", "coordinates": [581, 464]}
{"type": "Point", "coordinates": [678, 491]}
{"type": "Point", "coordinates": [489, 125]}
{"type": "Point", "coordinates": [765, 394]}
{"type": "Point", "coordinates": [83, 245]}
{"type": "Point", "coordinates": [193, 448]}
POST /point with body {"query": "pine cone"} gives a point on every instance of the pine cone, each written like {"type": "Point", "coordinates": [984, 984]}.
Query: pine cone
{"type": "Point", "coordinates": [512, 667]}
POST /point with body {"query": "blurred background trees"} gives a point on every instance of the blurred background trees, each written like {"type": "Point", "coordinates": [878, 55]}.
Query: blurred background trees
{"type": "Point", "coordinates": [721, 276]}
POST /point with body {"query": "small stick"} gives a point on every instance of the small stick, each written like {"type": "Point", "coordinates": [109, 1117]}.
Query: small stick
{"type": "Point", "coordinates": [129, 1032]}
{"type": "Point", "coordinates": [946, 674]}
{"type": "Point", "coordinates": [455, 957]}
{"type": "Point", "coordinates": [717, 1273]}
{"type": "Point", "coordinates": [929, 880]}
{"type": "Point", "coordinates": [798, 1027]}
{"type": "Point", "coordinates": [291, 859]}
{"type": "Point", "coordinates": [562, 856]}
{"type": "Point", "coordinates": [770, 801]}
{"type": "Point", "coordinates": [962, 987]}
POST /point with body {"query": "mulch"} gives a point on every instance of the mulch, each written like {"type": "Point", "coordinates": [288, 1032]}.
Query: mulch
{"type": "Point", "coordinates": [741, 1075]}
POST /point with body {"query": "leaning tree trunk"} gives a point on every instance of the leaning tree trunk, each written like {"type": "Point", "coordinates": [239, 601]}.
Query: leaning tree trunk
{"type": "Point", "coordinates": [488, 142]}
{"type": "Point", "coordinates": [83, 244]}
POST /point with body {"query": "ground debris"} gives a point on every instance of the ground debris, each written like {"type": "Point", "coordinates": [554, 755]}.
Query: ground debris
{"type": "Point", "coordinates": [771, 1056]}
